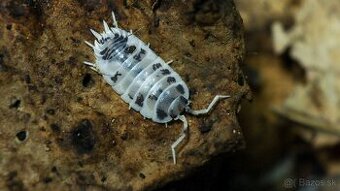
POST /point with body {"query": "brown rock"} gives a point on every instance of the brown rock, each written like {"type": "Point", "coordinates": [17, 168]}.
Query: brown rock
{"type": "Point", "coordinates": [56, 125]}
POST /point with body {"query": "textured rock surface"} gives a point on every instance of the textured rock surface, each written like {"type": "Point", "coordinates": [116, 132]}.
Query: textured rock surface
{"type": "Point", "coordinates": [63, 128]}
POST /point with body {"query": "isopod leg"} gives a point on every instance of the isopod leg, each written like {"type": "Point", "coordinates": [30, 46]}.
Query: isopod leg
{"type": "Point", "coordinates": [94, 69]}
{"type": "Point", "coordinates": [211, 105]}
{"type": "Point", "coordinates": [92, 66]}
{"type": "Point", "coordinates": [180, 138]}
{"type": "Point", "coordinates": [89, 64]}
{"type": "Point", "coordinates": [169, 62]}
{"type": "Point", "coordinates": [96, 34]}
{"type": "Point", "coordinates": [89, 44]}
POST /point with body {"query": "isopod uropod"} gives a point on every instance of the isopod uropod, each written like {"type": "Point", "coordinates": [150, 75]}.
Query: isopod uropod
{"type": "Point", "coordinates": [143, 79]}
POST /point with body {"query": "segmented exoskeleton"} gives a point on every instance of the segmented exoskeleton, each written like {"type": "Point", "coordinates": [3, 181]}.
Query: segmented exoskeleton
{"type": "Point", "coordinates": [143, 79]}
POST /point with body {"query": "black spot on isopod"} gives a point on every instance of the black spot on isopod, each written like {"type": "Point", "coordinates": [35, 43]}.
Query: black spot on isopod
{"type": "Point", "coordinates": [115, 77]}
{"type": "Point", "coordinates": [156, 66]}
{"type": "Point", "coordinates": [171, 80]}
{"type": "Point", "coordinates": [130, 96]}
{"type": "Point", "coordinates": [159, 91]}
{"type": "Point", "coordinates": [107, 54]}
{"type": "Point", "coordinates": [103, 40]}
{"type": "Point", "coordinates": [140, 100]}
{"type": "Point", "coordinates": [105, 57]}
{"type": "Point", "coordinates": [103, 51]}
{"type": "Point", "coordinates": [161, 114]}
{"type": "Point", "coordinates": [140, 55]}
{"type": "Point", "coordinates": [183, 100]}
{"type": "Point", "coordinates": [22, 135]}
{"type": "Point", "coordinates": [82, 137]}
{"type": "Point", "coordinates": [130, 49]}
{"type": "Point", "coordinates": [137, 58]}
{"type": "Point", "coordinates": [87, 80]}
{"type": "Point", "coordinates": [180, 88]}
{"type": "Point", "coordinates": [165, 71]}
{"type": "Point", "coordinates": [15, 103]}
{"type": "Point", "coordinates": [106, 39]}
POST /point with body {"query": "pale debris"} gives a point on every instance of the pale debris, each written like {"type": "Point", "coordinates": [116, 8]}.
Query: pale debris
{"type": "Point", "coordinates": [315, 44]}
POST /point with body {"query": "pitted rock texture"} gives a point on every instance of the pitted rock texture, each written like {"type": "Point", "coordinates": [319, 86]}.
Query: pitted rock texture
{"type": "Point", "coordinates": [63, 128]}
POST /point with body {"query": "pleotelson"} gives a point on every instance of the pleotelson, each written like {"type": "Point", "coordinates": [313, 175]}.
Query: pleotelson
{"type": "Point", "coordinates": [142, 78]}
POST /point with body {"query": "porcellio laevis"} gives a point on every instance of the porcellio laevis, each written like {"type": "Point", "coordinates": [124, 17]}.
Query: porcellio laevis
{"type": "Point", "coordinates": [142, 79]}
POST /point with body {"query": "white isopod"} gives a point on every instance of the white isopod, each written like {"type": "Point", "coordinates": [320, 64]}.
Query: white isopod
{"type": "Point", "coordinates": [143, 79]}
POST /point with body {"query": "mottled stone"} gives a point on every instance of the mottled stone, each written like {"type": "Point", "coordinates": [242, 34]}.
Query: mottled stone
{"type": "Point", "coordinates": [62, 126]}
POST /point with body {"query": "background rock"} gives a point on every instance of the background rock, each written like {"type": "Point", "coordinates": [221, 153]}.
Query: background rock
{"type": "Point", "coordinates": [63, 128]}
{"type": "Point", "coordinates": [313, 42]}
{"type": "Point", "coordinates": [280, 149]}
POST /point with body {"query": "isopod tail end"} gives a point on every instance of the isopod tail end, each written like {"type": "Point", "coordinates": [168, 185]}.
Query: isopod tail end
{"type": "Point", "coordinates": [97, 46]}
{"type": "Point", "coordinates": [97, 35]}
{"type": "Point", "coordinates": [115, 24]}
{"type": "Point", "coordinates": [106, 27]}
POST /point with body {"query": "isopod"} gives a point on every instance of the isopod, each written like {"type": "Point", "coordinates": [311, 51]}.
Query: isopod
{"type": "Point", "coordinates": [142, 79]}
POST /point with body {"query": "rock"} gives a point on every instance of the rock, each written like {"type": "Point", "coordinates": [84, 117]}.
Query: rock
{"type": "Point", "coordinates": [257, 20]}
{"type": "Point", "coordinates": [312, 41]}
{"type": "Point", "coordinates": [63, 128]}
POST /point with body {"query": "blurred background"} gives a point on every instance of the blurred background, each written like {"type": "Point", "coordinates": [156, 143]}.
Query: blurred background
{"type": "Point", "coordinates": [292, 126]}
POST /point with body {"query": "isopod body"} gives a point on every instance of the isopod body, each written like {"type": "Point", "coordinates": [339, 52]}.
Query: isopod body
{"type": "Point", "coordinates": [142, 79]}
